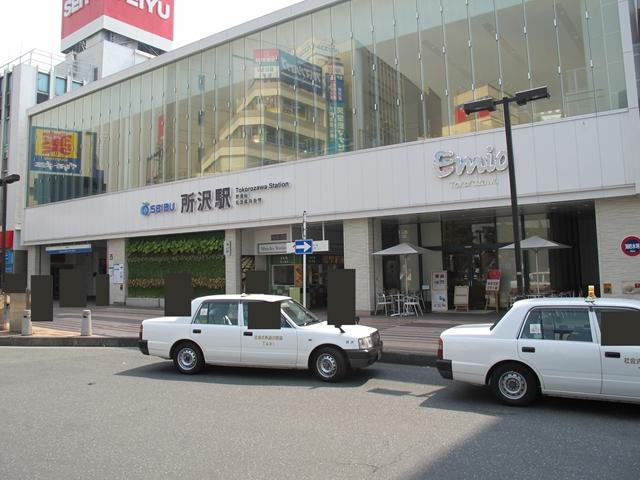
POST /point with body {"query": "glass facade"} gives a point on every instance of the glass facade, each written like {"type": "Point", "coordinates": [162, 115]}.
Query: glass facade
{"type": "Point", "coordinates": [354, 75]}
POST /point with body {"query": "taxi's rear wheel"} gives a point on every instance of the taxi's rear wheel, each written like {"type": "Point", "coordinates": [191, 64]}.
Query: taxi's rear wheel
{"type": "Point", "coordinates": [329, 365]}
{"type": "Point", "coordinates": [514, 384]}
{"type": "Point", "coordinates": [188, 358]}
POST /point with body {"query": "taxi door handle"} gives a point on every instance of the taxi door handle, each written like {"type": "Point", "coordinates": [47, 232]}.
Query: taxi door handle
{"type": "Point", "coordinates": [529, 349]}
{"type": "Point", "coordinates": [612, 354]}
{"type": "Point", "coordinates": [248, 334]}
{"type": "Point", "coordinates": [197, 330]}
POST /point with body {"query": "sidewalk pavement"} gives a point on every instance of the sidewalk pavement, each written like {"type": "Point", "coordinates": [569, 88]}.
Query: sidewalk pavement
{"type": "Point", "coordinates": [411, 340]}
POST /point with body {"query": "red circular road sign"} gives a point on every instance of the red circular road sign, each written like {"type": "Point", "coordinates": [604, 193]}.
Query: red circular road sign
{"type": "Point", "coordinates": [631, 246]}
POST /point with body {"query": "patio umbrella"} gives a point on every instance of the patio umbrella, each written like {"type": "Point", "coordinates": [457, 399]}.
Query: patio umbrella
{"type": "Point", "coordinates": [403, 249]}
{"type": "Point", "coordinates": [536, 244]}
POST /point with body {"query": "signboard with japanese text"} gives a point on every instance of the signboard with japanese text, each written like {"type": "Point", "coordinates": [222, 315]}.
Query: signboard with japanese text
{"type": "Point", "coordinates": [493, 281]}
{"type": "Point", "coordinates": [8, 261]}
{"type": "Point", "coordinates": [334, 94]}
{"type": "Point", "coordinates": [56, 151]}
{"type": "Point", "coordinates": [439, 294]}
{"type": "Point", "coordinates": [147, 21]}
{"type": "Point", "coordinates": [630, 287]}
{"type": "Point", "coordinates": [276, 64]}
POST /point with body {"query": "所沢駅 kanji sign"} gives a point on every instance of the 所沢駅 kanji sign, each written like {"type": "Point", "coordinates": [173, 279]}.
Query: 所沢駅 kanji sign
{"type": "Point", "coordinates": [222, 198]}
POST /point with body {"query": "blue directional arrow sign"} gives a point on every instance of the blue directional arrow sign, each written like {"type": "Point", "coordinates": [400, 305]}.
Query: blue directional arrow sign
{"type": "Point", "coordinates": [304, 247]}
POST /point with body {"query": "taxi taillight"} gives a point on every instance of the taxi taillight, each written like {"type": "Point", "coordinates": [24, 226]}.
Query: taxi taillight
{"type": "Point", "coordinates": [440, 348]}
{"type": "Point", "coordinates": [140, 335]}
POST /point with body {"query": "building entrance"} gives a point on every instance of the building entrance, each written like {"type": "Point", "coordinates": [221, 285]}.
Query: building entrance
{"type": "Point", "coordinates": [470, 266]}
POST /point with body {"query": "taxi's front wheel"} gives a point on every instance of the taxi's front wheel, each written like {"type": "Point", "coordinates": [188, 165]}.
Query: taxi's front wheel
{"type": "Point", "coordinates": [329, 365]}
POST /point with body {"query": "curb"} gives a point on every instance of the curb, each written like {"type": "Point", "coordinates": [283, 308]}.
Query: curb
{"type": "Point", "coordinates": [20, 341]}
{"type": "Point", "coordinates": [403, 358]}
{"type": "Point", "coordinates": [409, 358]}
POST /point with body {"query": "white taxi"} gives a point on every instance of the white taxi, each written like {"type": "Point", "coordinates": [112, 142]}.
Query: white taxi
{"type": "Point", "coordinates": [217, 333]}
{"type": "Point", "coordinates": [571, 347]}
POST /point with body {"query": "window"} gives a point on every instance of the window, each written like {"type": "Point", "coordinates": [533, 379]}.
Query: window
{"type": "Point", "coordinates": [245, 316]}
{"type": "Point", "coordinates": [300, 315]}
{"type": "Point", "coordinates": [43, 82]}
{"type": "Point", "coordinates": [61, 85]}
{"type": "Point", "coordinates": [283, 275]}
{"type": "Point", "coordinates": [75, 85]}
{"type": "Point", "coordinates": [217, 313]}
{"type": "Point", "coordinates": [570, 324]}
{"type": "Point", "coordinates": [619, 327]}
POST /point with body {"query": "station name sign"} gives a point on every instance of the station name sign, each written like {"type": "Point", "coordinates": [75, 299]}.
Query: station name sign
{"type": "Point", "coordinates": [216, 199]}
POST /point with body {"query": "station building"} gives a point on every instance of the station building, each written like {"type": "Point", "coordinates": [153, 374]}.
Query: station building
{"type": "Point", "coordinates": [352, 112]}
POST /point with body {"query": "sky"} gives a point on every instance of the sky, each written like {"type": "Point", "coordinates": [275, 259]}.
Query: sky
{"type": "Point", "coordinates": [29, 24]}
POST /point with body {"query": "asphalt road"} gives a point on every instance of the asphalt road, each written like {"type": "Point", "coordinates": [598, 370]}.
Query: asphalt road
{"type": "Point", "coordinates": [90, 413]}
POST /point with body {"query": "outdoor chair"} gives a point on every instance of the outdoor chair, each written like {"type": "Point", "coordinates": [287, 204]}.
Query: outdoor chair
{"type": "Point", "coordinates": [412, 306]}
{"type": "Point", "coordinates": [383, 301]}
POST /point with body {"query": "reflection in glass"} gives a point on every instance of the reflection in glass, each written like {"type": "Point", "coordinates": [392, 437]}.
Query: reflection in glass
{"type": "Point", "coordinates": [357, 74]}
{"type": "Point", "coordinates": [544, 63]}
{"type": "Point", "coordinates": [434, 79]}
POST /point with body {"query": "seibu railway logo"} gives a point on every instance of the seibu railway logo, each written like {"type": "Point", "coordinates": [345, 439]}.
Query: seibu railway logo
{"type": "Point", "coordinates": [153, 16]}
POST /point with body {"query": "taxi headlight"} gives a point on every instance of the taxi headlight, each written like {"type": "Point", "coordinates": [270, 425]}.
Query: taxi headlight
{"type": "Point", "coordinates": [365, 343]}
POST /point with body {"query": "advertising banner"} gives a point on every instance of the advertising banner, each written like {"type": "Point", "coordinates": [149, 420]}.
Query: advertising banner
{"type": "Point", "coordinates": [8, 261]}
{"type": "Point", "coordinates": [630, 287]}
{"type": "Point", "coordinates": [305, 75]}
{"type": "Point", "coordinates": [439, 296]}
{"type": "Point", "coordinates": [87, 17]}
{"type": "Point", "coordinates": [334, 94]}
{"type": "Point", "coordinates": [493, 281]}
{"type": "Point", "coordinates": [55, 151]}
{"type": "Point", "coordinates": [266, 64]}
{"type": "Point", "coordinates": [275, 64]}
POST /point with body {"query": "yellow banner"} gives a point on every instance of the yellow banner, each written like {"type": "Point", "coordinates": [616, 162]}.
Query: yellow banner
{"type": "Point", "coordinates": [56, 144]}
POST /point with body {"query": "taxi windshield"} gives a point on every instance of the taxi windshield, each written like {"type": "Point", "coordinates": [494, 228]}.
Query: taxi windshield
{"type": "Point", "coordinates": [298, 314]}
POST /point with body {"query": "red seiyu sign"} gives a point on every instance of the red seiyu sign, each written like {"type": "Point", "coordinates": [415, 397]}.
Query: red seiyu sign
{"type": "Point", "coordinates": [153, 16]}
{"type": "Point", "coordinates": [631, 246]}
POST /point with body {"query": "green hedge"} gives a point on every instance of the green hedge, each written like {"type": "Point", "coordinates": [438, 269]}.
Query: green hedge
{"type": "Point", "coordinates": [159, 292]}
{"type": "Point", "coordinates": [151, 258]}
{"type": "Point", "coordinates": [158, 268]}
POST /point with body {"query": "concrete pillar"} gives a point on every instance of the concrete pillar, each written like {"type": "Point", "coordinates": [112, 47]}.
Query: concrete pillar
{"type": "Point", "coordinates": [378, 283]}
{"type": "Point", "coordinates": [358, 250]}
{"type": "Point", "coordinates": [233, 255]}
{"type": "Point", "coordinates": [115, 257]}
{"type": "Point", "coordinates": [38, 263]}
{"type": "Point", "coordinates": [616, 219]}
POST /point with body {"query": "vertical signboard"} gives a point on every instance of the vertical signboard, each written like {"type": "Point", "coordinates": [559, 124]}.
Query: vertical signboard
{"type": "Point", "coordinates": [334, 94]}
{"type": "Point", "coordinates": [439, 296]}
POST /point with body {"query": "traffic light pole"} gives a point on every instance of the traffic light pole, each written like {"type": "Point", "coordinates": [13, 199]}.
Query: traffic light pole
{"type": "Point", "coordinates": [4, 233]}
{"type": "Point", "coordinates": [304, 261]}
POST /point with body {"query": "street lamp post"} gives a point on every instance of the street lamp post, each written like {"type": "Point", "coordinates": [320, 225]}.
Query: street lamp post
{"type": "Point", "coordinates": [490, 103]}
{"type": "Point", "coordinates": [4, 181]}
